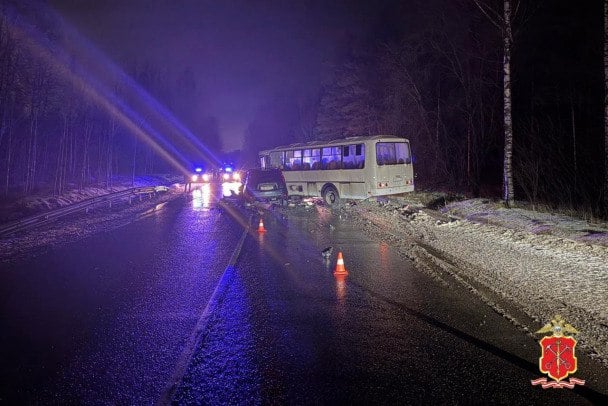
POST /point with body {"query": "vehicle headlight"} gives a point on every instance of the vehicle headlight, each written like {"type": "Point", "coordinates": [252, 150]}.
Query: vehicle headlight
{"type": "Point", "coordinates": [236, 176]}
{"type": "Point", "coordinates": [194, 178]}
{"type": "Point", "coordinates": [206, 177]}
{"type": "Point", "coordinates": [226, 176]}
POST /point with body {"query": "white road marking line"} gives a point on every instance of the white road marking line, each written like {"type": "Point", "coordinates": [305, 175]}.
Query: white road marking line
{"type": "Point", "coordinates": [186, 356]}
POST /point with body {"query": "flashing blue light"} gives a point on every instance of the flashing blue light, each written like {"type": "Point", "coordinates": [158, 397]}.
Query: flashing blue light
{"type": "Point", "coordinates": [198, 170]}
{"type": "Point", "coordinates": [228, 169]}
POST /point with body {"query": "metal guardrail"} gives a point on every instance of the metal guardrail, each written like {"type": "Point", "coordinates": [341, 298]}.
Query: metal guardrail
{"type": "Point", "coordinates": [86, 205]}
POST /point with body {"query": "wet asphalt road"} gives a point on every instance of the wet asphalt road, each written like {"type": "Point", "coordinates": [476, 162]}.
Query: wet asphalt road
{"type": "Point", "coordinates": [103, 320]}
{"type": "Point", "coordinates": [285, 331]}
{"type": "Point", "coordinates": [116, 317]}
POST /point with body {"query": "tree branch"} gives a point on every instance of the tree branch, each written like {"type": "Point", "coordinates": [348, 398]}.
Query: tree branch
{"type": "Point", "coordinates": [497, 20]}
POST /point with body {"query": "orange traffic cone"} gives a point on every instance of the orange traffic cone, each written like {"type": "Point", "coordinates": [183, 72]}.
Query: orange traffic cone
{"type": "Point", "coordinates": [261, 228]}
{"type": "Point", "coordinates": [340, 269]}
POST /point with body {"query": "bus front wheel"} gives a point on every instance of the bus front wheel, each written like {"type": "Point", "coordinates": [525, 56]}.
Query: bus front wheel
{"type": "Point", "coordinates": [331, 196]}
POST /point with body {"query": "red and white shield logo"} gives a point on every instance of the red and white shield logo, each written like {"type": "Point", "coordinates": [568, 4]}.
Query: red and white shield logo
{"type": "Point", "coordinates": [557, 359]}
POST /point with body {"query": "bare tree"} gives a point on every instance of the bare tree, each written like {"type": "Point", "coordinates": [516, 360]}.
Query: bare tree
{"type": "Point", "coordinates": [503, 23]}
{"type": "Point", "coordinates": [8, 77]}
{"type": "Point", "coordinates": [32, 141]}
{"type": "Point", "coordinates": [85, 146]}
{"type": "Point", "coordinates": [61, 165]}
{"type": "Point", "coordinates": [135, 142]}
{"type": "Point", "coordinates": [109, 151]}
{"type": "Point", "coordinates": [464, 58]}
{"type": "Point", "coordinates": [410, 86]}
{"type": "Point", "coordinates": [346, 106]}
{"type": "Point", "coordinates": [307, 114]}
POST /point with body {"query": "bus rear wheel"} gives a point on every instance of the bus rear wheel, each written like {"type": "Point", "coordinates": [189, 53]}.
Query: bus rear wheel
{"type": "Point", "coordinates": [331, 196]}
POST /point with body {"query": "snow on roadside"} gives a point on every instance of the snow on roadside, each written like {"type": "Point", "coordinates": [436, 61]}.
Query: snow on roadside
{"type": "Point", "coordinates": [542, 264]}
{"type": "Point", "coordinates": [41, 202]}
{"type": "Point", "coordinates": [17, 245]}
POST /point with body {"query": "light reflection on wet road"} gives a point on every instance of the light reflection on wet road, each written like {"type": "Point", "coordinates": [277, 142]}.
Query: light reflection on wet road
{"type": "Point", "coordinates": [103, 320]}
{"type": "Point", "coordinates": [289, 333]}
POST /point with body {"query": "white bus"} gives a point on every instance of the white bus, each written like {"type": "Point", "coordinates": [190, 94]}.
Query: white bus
{"type": "Point", "coordinates": [354, 168]}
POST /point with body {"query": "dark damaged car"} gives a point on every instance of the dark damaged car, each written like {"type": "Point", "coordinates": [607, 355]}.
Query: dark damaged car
{"type": "Point", "coordinates": [264, 185]}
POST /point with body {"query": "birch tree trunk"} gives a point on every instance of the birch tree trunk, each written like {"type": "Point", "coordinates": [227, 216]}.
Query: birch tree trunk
{"type": "Point", "coordinates": [504, 25]}
{"type": "Point", "coordinates": [508, 194]}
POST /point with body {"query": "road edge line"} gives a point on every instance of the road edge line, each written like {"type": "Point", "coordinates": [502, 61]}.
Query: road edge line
{"type": "Point", "coordinates": [188, 352]}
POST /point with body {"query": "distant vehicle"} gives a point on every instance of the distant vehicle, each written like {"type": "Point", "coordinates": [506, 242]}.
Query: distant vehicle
{"type": "Point", "coordinates": [230, 174]}
{"type": "Point", "coordinates": [355, 167]}
{"type": "Point", "coordinates": [200, 176]}
{"type": "Point", "coordinates": [264, 185]}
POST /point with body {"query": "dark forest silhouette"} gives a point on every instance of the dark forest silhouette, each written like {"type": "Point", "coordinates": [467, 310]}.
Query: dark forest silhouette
{"type": "Point", "coordinates": [432, 73]}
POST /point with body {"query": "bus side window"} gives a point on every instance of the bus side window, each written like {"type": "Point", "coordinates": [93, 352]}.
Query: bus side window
{"type": "Point", "coordinates": [289, 161]}
{"type": "Point", "coordinates": [314, 159]}
{"type": "Point", "coordinates": [296, 164]}
{"type": "Point", "coordinates": [348, 157]}
{"type": "Point", "coordinates": [326, 157]}
{"type": "Point", "coordinates": [336, 156]}
{"type": "Point", "coordinates": [359, 156]}
{"type": "Point", "coordinates": [275, 160]}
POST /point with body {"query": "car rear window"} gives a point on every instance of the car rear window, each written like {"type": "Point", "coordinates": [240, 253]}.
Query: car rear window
{"type": "Point", "coordinates": [265, 176]}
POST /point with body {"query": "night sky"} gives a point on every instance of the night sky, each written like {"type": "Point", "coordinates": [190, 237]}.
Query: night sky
{"type": "Point", "coordinates": [240, 52]}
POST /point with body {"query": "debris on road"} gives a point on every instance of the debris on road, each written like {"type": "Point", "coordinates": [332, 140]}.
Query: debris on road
{"type": "Point", "coordinates": [327, 252]}
{"type": "Point", "coordinates": [505, 256]}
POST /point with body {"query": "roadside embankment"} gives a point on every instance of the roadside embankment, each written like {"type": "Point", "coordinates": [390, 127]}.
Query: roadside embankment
{"type": "Point", "coordinates": [528, 266]}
